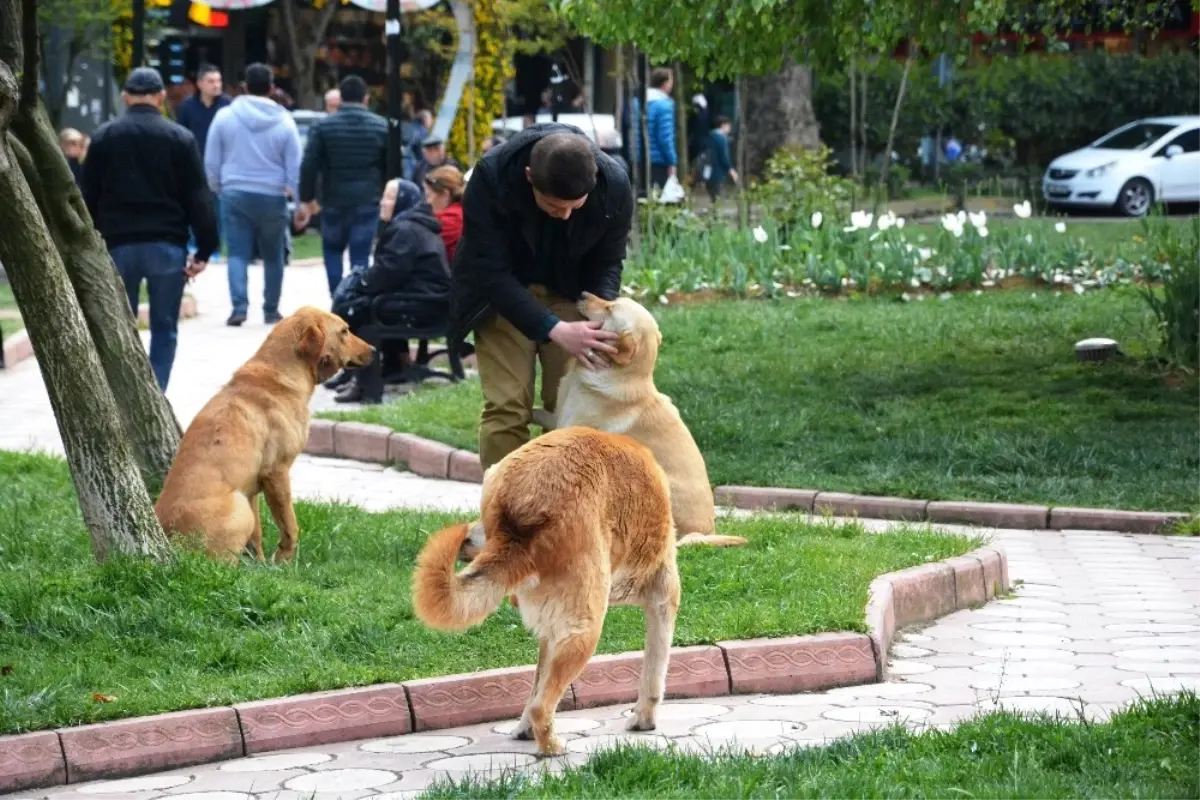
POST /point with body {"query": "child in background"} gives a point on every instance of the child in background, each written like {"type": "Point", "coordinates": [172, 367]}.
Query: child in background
{"type": "Point", "coordinates": [720, 166]}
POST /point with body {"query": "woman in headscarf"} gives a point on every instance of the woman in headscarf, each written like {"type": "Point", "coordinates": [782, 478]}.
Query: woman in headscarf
{"type": "Point", "coordinates": [409, 258]}
{"type": "Point", "coordinates": [443, 191]}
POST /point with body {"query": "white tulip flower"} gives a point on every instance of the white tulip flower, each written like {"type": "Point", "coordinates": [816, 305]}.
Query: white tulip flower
{"type": "Point", "coordinates": [760, 235]}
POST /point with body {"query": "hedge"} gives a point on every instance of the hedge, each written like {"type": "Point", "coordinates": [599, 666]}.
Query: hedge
{"type": "Point", "coordinates": [1032, 108]}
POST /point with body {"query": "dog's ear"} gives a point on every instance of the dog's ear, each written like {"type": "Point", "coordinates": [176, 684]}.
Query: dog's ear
{"type": "Point", "coordinates": [312, 342]}
{"type": "Point", "coordinates": [626, 349]}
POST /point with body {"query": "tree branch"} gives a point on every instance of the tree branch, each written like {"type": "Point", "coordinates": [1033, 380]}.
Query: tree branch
{"type": "Point", "coordinates": [29, 36]}
{"type": "Point", "coordinates": [12, 51]}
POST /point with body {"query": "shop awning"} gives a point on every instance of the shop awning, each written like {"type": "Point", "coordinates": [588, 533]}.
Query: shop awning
{"type": "Point", "coordinates": [370, 5]}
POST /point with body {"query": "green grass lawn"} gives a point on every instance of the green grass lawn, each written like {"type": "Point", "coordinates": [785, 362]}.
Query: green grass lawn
{"type": "Point", "coordinates": [10, 320]}
{"type": "Point", "coordinates": [1149, 750]}
{"type": "Point", "coordinates": [307, 245]}
{"type": "Point", "coordinates": [976, 397]}
{"type": "Point", "coordinates": [197, 634]}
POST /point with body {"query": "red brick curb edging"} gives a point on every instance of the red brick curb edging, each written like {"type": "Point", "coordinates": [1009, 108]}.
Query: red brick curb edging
{"type": "Point", "coordinates": [18, 347]}
{"type": "Point", "coordinates": [793, 664]}
{"type": "Point", "coordinates": [427, 458]}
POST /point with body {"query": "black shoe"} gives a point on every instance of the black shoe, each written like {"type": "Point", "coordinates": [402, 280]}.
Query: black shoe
{"type": "Point", "coordinates": [272, 317]}
{"type": "Point", "coordinates": [339, 380]}
{"type": "Point", "coordinates": [353, 393]}
{"type": "Point", "coordinates": [235, 319]}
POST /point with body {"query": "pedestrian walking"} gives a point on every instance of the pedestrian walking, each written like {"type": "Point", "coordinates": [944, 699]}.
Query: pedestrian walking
{"type": "Point", "coordinates": [196, 114]}
{"type": "Point", "coordinates": [660, 126]}
{"type": "Point", "coordinates": [144, 187]}
{"type": "Point", "coordinates": [253, 161]}
{"type": "Point", "coordinates": [347, 154]}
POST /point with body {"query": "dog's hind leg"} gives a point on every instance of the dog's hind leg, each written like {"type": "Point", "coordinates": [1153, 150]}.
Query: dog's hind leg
{"type": "Point", "coordinates": [277, 486]}
{"type": "Point", "coordinates": [660, 606]}
{"type": "Point", "coordinates": [524, 729]}
{"type": "Point", "coordinates": [256, 537]}
{"type": "Point", "coordinates": [566, 659]}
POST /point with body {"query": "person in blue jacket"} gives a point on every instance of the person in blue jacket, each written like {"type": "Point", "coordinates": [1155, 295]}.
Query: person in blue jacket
{"type": "Point", "coordinates": [720, 166]}
{"type": "Point", "coordinates": [660, 126]}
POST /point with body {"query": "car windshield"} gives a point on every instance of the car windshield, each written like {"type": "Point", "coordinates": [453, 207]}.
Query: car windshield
{"type": "Point", "coordinates": [1135, 137]}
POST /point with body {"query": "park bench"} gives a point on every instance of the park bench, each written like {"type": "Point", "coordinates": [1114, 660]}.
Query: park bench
{"type": "Point", "coordinates": [402, 317]}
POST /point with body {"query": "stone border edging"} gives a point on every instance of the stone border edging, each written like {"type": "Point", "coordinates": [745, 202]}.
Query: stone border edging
{"type": "Point", "coordinates": [18, 347]}
{"type": "Point", "coordinates": [792, 664]}
{"type": "Point", "coordinates": [379, 444]}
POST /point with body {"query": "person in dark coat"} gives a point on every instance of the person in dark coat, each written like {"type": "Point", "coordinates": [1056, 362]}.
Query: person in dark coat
{"type": "Point", "coordinates": [347, 153]}
{"type": "Point", "coordinates": [145, 189]}
{"type": "Point", "coordinates": [410, 258]}
{"type": "Point", "coordinates": [546, 217]}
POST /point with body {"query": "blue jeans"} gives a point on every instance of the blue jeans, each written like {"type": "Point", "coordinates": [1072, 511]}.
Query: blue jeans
{"type": "Point", "coordinates": [347, 227]}
{"type": "Point", "coordinates": [216, 207]}
{"type": "Point", "coordinates": [161, 265]}
{"type": "Point", "coordinates": [254, 221]}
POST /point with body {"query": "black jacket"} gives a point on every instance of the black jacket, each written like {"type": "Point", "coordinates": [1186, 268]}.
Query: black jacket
{"type": "Point", "coordinates": [348, 152]}
{"type": "Point", "coordinates": [409, 256]}
{"type": "Point", "coordinates": [143, 182]}
{"type": "Point", "coordinates": [496, 257]}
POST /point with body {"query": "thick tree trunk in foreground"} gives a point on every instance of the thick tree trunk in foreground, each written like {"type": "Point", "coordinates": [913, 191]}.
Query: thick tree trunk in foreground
{"type": "Point", "coordinates": [146, 415]}
{"type": "Point", "coordinates": [780, 114]}
{"type": "Point", "coordinates": [112, 497]}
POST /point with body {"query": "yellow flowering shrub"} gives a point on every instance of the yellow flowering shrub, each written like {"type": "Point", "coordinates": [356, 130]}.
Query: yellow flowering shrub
{"type": "Point", "coordinates": [494, 68]}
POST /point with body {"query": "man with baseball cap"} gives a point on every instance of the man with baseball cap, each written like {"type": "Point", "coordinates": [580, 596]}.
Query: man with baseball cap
{"type": "Point", "coordinates": [144, 185]}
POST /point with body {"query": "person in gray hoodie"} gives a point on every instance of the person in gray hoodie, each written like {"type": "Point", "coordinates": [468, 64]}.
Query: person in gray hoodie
{"type": "Point", "coordinates": [252, 158]}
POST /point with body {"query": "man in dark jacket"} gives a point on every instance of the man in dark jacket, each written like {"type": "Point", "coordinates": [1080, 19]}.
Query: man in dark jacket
{"type": "Point", "coordinates": [546, 218]}
{"type": "Point", "coordinates": [196, 114]}
{"type": "Point", "coordinates": [348, 152]}
{"type": "Point", "coordinates": [144, 185]}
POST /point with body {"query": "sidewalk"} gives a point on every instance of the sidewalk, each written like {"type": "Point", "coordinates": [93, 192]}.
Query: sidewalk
{"type": "Point", "coordinates": [208, 354]}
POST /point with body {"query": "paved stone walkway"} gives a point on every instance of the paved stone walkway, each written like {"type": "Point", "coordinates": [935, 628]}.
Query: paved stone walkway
{"type": "Point", "coordinates": [1097, 620]}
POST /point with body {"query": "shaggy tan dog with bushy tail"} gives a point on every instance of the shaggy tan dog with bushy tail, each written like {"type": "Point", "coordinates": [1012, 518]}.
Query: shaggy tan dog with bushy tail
{"type": "Point", "coordinates": [575, 520]}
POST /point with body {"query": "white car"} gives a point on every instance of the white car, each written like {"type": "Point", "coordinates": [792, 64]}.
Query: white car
{"type": "Point", "coordinates": [1137, 165]}
{"type": "Point", "coordinates": [600, 128]}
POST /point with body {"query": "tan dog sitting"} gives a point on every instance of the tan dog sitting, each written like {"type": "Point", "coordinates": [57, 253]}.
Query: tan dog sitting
{"type": "Point", "coordinates": [622, 398]}
{"type": "Point", "coordinates": [246, 437]}
{"type": "Point", "coordinates": [576, 520]}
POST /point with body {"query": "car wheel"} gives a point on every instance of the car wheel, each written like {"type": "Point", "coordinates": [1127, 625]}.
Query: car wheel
{"type": "Point", "coordinates": [1136, 198]}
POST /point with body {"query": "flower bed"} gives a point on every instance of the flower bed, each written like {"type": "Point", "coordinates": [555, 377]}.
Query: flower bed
{"type": "Point", "coordinates": [885, 254]}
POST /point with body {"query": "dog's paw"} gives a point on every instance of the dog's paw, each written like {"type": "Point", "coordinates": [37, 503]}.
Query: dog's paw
{"type": "Point", "coordinates": [640, 723]}
{"type": "Point", "coordinates": [554, 747]}
{"type": "Point", "coordinates": [523, 732]}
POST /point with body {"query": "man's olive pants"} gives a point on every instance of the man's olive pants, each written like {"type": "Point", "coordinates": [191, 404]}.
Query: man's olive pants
{"type": "Point", "coordinates": [507, 361]}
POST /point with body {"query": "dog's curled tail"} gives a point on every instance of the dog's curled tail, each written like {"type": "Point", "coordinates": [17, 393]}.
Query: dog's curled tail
{"type": "Point", "coordinates": [709, 540]}
{"type": "Point", "coordinates": [444, 600]}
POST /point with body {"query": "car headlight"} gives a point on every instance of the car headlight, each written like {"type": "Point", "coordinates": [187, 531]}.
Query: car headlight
{"type": "Point", "coordinates": [1100, 171]}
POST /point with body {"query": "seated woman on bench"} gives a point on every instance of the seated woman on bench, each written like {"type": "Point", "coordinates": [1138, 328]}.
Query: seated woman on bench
{"type": "Point", "coordinates": [409, 258]}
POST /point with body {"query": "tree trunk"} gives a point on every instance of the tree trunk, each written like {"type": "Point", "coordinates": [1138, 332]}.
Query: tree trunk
{"type": "Point", "coordinates": [116, 509]}
{"type": "Point", "coordinates": [683, 144]}
{"type": "Point", "coordinates": [780, 104]}
{"type": "Point", "coordinates": [304, 37]}
{"type": "Point", "coordinates": [883, 185]}
{"type": "Point", "coordinates": [853, 116]}
{"type": "Point", "coordinates": [149, 423]}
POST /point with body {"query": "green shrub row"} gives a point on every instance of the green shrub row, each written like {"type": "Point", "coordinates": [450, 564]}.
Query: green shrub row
{"type": "Point", "coordinates": [1026, 110]}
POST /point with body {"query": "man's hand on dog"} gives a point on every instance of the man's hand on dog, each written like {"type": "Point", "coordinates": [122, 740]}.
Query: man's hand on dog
{"type": "Point", "coordinates": [585, 341]}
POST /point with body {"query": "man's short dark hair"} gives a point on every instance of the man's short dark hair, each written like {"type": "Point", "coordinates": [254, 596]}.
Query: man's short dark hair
{"type": "Point", "coordinates": [205, 70]}
{"type": "Point", "coordinates": [353, 89]}
{"type": "Point", "coordinates": [721, 121]}
{"type": "Point", "coordinates": [659, 76]}
{"type": "Point", "coordinates": [259, 80]}
{"type": "Point", "coordinates": [562, 166]}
